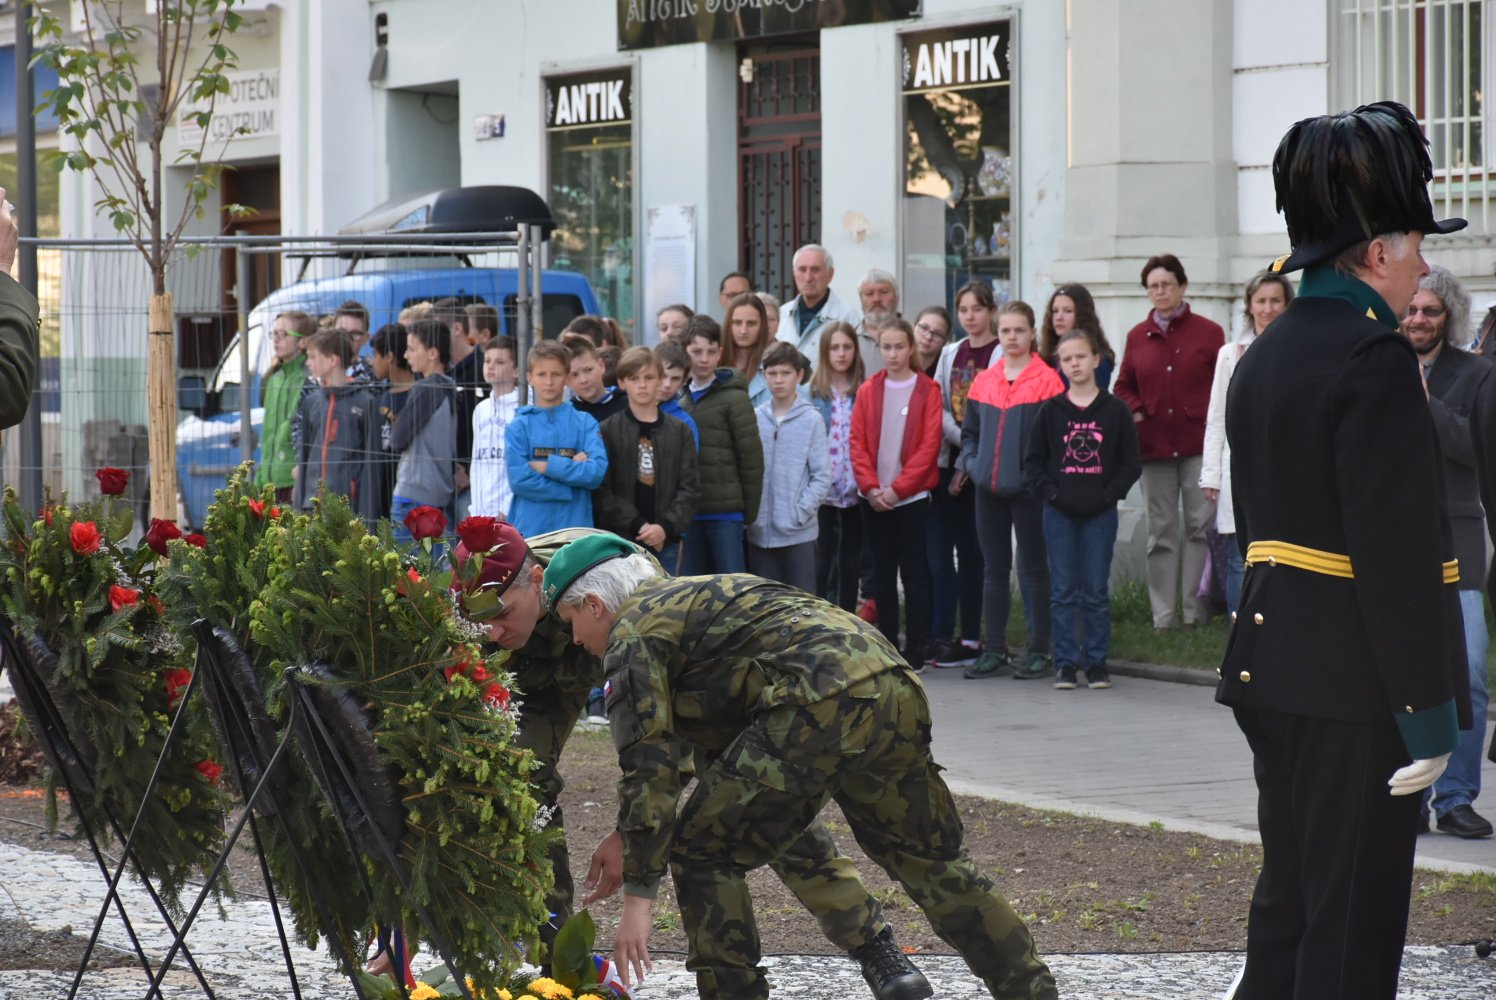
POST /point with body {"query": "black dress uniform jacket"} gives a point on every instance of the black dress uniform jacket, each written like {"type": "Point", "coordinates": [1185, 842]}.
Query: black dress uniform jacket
{"type": "Point", "coordinates": [1333, 448]}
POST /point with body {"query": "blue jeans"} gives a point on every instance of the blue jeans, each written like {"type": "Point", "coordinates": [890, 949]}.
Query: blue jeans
{"type": "Point", "coordinates": [1236, 569]}
{"type": "Point", "coordinates": [1460, 782]}
{"type": "Point", "coordinates": [1080, 566]}
{"type": "Point", "coordinates": [714, 547]}
{"type": "Point", "coordinates": [669, 557]}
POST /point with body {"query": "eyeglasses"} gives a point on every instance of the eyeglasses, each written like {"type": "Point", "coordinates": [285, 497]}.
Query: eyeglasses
{"type": "Point", "coordinates": [485, 603]}
{"type": "Point", "coordinates": [1432, 312]}
{"type": "Point", "coordinates": [932, 331]}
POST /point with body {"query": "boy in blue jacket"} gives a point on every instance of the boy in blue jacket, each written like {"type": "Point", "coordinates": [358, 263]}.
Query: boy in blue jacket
{"type": "Point", "coordinates": [554, 453]}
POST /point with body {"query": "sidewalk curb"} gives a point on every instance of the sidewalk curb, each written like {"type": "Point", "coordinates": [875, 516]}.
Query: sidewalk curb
{"type": "Point", "coordinates": [1198, 676]}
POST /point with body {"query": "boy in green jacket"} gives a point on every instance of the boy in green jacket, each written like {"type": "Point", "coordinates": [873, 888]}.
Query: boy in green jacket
{"type": "Point", "coordinates": [282, 393]}
{"type": "Point", "coordinates": [730, 466]}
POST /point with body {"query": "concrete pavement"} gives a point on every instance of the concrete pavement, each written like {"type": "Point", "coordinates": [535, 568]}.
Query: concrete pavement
{"type": "Point", "coordinates": [1141, 751]}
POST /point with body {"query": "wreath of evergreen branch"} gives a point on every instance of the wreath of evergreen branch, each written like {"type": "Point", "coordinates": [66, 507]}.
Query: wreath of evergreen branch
{"type": "Point", "coordinates": [115, 669]}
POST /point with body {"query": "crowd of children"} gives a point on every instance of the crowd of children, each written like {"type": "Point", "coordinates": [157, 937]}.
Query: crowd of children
{"type": "Point", "coordinates": [723, 449]}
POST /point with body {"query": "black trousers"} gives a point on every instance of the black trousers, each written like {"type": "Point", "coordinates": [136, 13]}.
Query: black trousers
{"type": "Point", "coordinates": [1330, 911]}
{"type": "Point", "coordinates": [899, 553]}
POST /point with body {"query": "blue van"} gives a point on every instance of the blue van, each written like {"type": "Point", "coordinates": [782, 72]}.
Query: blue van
{"type": "Point", "coordinates": [208, 446]}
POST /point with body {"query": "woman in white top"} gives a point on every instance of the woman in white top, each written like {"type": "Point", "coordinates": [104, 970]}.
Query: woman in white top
{"type": "Point", "coordinates": [1267, 295]}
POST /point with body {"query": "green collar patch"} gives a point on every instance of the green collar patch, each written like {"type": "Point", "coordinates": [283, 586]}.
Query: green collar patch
{"type": "Point", "coordinates": [1321, 282]}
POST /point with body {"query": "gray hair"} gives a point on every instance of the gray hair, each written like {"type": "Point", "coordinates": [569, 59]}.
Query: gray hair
{"type": "Point", "coordinates": [878, 276]}
{"type": "Point", "coordinates": [1441, 282]}
{"type": "Point", "coordinates": [769, 301]}
{"type": "Point", "coordinates": [825, 255]}
{"type": "Point", "coordinates": [613, 581]}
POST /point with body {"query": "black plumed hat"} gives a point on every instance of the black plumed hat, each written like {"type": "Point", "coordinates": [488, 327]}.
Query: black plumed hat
{"type": "Point", "coordinates": [1345, 178]}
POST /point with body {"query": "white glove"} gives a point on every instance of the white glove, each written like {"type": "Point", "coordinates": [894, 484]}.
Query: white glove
{"type": "Point", "coordinates": [1418, 775]}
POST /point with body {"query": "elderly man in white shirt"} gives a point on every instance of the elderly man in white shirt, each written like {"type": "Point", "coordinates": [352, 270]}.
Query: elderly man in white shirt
{"type": "Point", "coordinates": [802, 318]}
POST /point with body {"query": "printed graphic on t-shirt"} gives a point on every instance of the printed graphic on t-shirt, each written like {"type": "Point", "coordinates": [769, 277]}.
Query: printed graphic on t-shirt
{"type": "Point", "coordinates": [1082, 448]}
{"type": "Point", "coordinates": [646, 461]}
{"type": "Point", "coordinates": [968, 363]}
{"type": "Point", "coordinates": [386, 426]}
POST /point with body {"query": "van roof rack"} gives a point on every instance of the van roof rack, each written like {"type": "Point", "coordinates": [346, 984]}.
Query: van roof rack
{"type": "Point", "coordinates": [486, 208]}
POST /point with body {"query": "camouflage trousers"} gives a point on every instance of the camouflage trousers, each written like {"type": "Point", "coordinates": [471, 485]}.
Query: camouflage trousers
{"type": "Point", "coordinates": [869, 750]}
{"type": "Point", "coordinates": [825, 882]}
{"type": "Point", "coordinates": [547, 719]}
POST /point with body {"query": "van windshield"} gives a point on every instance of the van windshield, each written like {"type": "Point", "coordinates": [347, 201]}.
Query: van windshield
{"type": "Point", "coordinates": [226, 377]}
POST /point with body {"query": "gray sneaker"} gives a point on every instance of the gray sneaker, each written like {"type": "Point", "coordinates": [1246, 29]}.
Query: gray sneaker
{"type": "Point", "coordinates": [1032, 667]}
{"type": "Point", "coordinates": [989, 664]}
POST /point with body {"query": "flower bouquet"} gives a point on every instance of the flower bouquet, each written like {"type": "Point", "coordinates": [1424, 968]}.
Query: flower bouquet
{"type": "Point", "coordinates": [86, 606]}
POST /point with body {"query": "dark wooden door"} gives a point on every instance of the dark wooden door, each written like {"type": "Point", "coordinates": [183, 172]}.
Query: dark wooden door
{"type": "Point", "coordinates": [779, 160]}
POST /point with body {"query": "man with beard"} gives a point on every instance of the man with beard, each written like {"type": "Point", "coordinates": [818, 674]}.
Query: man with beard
{"type": "Point", "coordinates": [879, 292]}
{"type": "Point", "coordinates": [1440, 310]}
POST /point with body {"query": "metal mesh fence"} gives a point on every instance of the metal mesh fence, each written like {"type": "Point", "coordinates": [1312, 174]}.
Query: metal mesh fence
{"type": "Point", "coordinates": [94, 296]}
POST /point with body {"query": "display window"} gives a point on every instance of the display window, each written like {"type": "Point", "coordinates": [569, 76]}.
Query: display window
{"type": "Point", "coordinates": [959, 211]}
{"type": "Point", "coordinates": [589, 123]}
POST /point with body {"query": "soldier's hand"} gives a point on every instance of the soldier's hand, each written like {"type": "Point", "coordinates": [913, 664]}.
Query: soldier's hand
{"type": "Point", "coordinates": [605, 874]}
{"type": "Point", "coordinates": [1418, 775]}
{"type": "Point", "coordinates": [631, 943]}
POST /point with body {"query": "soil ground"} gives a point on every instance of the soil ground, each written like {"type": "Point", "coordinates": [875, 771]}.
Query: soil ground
{"type": "Point", "coordinates": [1084, 885]}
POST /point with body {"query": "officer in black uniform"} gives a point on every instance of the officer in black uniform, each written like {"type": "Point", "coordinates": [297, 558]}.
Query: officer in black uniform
{"type": "Point", "coordinates": [1345, 666]}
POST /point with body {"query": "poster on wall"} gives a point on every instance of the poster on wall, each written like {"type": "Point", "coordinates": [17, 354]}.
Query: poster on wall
{"type": "Point", "coordinates": [669, 261]}
{"type": "Point", "coordinates": [644, 24]}
{"type": "Point", "coordinates": [248, 108]}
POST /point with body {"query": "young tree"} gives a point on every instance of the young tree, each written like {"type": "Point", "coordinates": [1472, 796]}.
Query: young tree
{"type": "Point", "coordinates": [117, 131]}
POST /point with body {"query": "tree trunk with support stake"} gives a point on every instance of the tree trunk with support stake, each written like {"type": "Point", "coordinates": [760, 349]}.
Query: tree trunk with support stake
{"type": "Point", "coordinates": [161, 400]}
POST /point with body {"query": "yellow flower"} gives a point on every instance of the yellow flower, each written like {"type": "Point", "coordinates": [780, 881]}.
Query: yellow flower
{"type": "Point", "coordinates": [549, 989]}
{"type": "Point", "coordinates": [423, 991]}
{"type": "Point", "coordinates": [505, 994]}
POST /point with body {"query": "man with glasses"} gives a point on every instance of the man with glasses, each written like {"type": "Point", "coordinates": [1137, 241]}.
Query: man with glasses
{"type": "Point", "coordinates": [553, 676]}
{"type": "Point", "coordinates": [1440, 310]}
{"type": "Point", "coordinates": [1167, 370]}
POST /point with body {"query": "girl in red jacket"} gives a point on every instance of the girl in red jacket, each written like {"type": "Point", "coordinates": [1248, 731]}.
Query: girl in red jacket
{"type": "Point", "coordinates": [895, 442]}
{"type": "Point", "coordinates": [1000, 409]}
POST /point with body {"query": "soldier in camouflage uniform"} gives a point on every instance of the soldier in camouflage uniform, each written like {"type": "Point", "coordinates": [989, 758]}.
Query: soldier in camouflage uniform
{"type": "Point", "coordinates": [554, 676]}
{"type": "Point", "coordinates": [796, 702]}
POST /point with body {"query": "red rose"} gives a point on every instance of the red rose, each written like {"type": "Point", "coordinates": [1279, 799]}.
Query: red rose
{"type": "Point", "coordinates": [176, 679]}
{"type": "Point", "coordinates": [210, 770]}
{"type": "Point", "coordinates": [112, 481]}
{"type": "Point", "coordinates": [196, 540]}
{"type": "Point", "coordinates": [496, 695]}
{"type": "Point", "coordinates": [47, 510]}
{"type": "Point", "coordinates": [156, 605]}
{"type": "Point", "coordinates": [85, 537]}
{"type": "Point", "coordinates": [452, 671]}
{"type": "Point", "coordinates": [257, 508]}
{"type": "Point", "coordinates": [122, 597]}
{"type": "Point", "coordinates": [275, 513]}
{"type": "Point", "coordinates": [479, 534]}
{"type": "Point", "coordinates": [479, 674]}
{"type": "Point", "coordinates": [425, 522]}
{"type": "Point", "coordinates": [413, 575]}
{"type": "Point", "coordinates": [161, 532]}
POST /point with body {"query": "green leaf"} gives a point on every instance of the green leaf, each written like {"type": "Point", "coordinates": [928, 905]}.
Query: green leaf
{"type": "Point", "coordinates": [571, 954]}
{"type": "Point", "coordinates": [121, 520]}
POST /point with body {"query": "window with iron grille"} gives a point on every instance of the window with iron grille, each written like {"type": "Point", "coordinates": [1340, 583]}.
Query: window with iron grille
{"type": "Point", "coordinates": [1430, 55]}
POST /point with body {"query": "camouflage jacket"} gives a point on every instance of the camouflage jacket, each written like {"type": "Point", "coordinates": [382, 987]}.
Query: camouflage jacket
{"type": "Point", "coordinates": [690, 662]}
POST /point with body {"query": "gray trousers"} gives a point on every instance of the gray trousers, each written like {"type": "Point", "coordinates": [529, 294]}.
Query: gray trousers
{"type": "Point", "coordinates": [1168, 486]}
{"type": "Point", "coordinates": [791, 564]}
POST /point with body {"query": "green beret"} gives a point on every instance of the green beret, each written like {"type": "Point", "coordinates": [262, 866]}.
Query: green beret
{"type": "Point", "coordinates": [575, 558]}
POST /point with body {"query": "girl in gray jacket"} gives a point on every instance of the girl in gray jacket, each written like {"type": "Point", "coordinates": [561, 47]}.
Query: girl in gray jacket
{"type": "Point", "coordinates": [797, 475]}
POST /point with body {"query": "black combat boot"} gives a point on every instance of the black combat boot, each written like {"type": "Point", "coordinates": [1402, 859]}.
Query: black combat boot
{"type": "Point", "coordinates": [889, 972]}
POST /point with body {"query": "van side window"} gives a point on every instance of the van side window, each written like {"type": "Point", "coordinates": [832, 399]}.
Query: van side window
{"type": "Point", "coordinates": [556, 311]}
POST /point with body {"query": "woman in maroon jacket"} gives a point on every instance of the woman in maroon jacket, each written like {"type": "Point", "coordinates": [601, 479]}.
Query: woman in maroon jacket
{"type": "Point", "coordinates": [895, 441]}
{"type": "Point", "coordinates": [1167, 369]}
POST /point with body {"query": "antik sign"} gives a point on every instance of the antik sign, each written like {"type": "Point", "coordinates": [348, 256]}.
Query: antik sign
{"type": "Point", "coordinates": [649, 23]}
{"type": "Point", "coordinates": [250, 108]}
